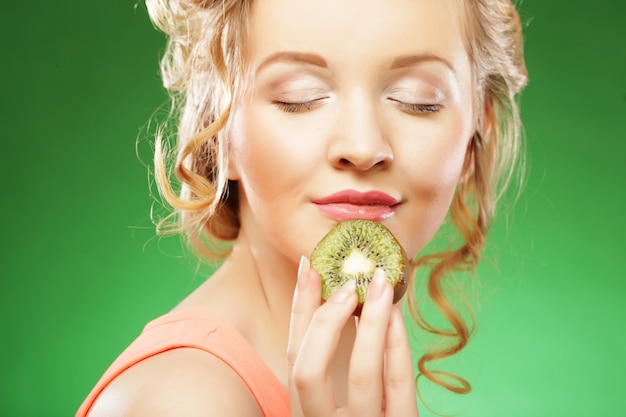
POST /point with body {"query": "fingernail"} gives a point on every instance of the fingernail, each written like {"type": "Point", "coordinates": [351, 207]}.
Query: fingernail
{"type": "Point", "coordinates": [303, 272]}
{"type": "Point", "coordinates": [377, 286]}
{"type": "Point", "coordinates": [344, 292]}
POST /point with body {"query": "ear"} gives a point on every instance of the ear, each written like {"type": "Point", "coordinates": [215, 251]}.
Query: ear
{"type": "Point", "coordinates": [233, 166]}
{"type": "Point", "coordinates": [232, 145]}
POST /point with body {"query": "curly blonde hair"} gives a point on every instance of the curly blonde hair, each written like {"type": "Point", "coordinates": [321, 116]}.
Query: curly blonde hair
{"type": "Point", "coordinates": [201, 67]}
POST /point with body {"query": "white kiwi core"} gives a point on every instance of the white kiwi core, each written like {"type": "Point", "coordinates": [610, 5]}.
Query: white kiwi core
{"type": "Point", "coordinates": [357, 263]}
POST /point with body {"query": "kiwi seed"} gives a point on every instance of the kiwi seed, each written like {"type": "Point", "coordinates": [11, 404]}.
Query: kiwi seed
{"type": "Point", "coordinates": [354, 249]}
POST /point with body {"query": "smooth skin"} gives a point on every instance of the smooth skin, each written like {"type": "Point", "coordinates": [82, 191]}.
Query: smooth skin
{"type": "Point", "coordinates": [345, 94]}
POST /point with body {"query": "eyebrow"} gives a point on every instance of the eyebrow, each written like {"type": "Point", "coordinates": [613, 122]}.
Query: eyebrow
{"type": "Point", "coordinates": [297, 57]}
{"type": "Point", "coordinates": [404, 61]}
{"type": "Point", "coordinates": [410, 60]}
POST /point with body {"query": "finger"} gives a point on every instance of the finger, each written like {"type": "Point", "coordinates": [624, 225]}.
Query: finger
{"type": "Point", "coordinates": [400, 392]}
{"type": "Point", "coordinates": [310, 372]}
{"type": "Point", "coordinates": [365, 380]}
{"type": "Point", "coordinates": [306, 299]}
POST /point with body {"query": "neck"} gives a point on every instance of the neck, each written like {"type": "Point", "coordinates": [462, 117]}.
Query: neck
{"type": "Point", "coordinates": [253, 290]}
{"type": "Point", "coordinates": [268, 279]}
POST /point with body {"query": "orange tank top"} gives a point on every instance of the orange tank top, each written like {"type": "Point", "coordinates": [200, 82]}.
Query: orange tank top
{"type": "Point", "coordinates": [200, 330]}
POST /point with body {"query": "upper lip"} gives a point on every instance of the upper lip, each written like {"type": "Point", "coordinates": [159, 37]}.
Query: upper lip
{"type": "Point", "coordinates": [369, 198]}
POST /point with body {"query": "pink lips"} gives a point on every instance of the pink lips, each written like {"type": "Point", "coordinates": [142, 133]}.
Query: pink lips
{"type": "Point", "coordinates": [350, 204]}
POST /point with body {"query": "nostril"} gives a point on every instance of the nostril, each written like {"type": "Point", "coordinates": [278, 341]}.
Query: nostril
{"type": "Point", "coordinates": [364, 164]}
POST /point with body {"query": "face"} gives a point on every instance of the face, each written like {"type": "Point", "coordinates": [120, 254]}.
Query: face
{"type": "Point", "coordinates": [355, 109]}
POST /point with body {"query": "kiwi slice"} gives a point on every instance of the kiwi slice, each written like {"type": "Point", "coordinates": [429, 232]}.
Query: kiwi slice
{"type": "Point", "coordinates": [354, 249]}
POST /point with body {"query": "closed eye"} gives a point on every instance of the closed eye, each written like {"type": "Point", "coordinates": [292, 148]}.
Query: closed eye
{"type": "Point", "coordinates": [417, 108]}
{"type": "Point", "coordinates": [297, 107]}
{"type": "Point", "coordinates": [294, 107]}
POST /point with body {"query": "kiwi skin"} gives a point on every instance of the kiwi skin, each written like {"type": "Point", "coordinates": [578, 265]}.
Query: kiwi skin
{"type": "Point", "coordinates": [369, 245]}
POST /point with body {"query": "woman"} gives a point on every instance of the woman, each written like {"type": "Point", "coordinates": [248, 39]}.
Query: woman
{"type": "Point", "coordinates": [294, 116]}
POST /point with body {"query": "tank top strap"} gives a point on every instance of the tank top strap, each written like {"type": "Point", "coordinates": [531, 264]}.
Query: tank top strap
{"type": "Point", "coordinates": [199, 329]}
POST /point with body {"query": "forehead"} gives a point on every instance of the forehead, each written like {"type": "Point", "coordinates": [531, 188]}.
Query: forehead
{"type": "Point", "coordinates": [368, 32]}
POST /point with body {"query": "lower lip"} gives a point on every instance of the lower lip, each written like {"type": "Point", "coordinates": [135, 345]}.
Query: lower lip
{"type": "Point", "coordinates": [344, 212]}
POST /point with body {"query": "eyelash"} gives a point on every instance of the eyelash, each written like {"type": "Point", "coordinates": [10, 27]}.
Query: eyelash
{"type": "Point", "coordinates": [295, 107]}
{"type": "Point", "coordinates": [411, 108]}
{"type": "Point", "coordinates": [418, 108]}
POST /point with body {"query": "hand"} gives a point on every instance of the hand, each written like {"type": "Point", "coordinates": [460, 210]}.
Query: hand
{"type": "Point", "coordinates": [380, 377]}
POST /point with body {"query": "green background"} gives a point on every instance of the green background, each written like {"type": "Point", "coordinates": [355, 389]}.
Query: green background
{"type": "Point", "coordinates": [82, 271]}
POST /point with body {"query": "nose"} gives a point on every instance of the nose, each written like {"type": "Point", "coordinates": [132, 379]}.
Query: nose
{"type": "Point", "coordinates": [359, 141]}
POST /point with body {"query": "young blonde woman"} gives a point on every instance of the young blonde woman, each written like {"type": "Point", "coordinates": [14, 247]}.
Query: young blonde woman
{"type": "Point", "coordinates": [295, 115]}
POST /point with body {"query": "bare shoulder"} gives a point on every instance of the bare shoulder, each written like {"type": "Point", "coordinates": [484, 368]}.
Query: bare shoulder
{"type": "Point", "coordinates": [182, 382]}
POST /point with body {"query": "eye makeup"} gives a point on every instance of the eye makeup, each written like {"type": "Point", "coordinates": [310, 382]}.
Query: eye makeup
{"type": "Point", "coordinates": [293, 91]}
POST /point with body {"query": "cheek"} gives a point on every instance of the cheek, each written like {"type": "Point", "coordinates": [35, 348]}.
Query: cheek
{"type": "Point", "coordinates": [432, 175]}
{"type": "Point", "coordinates": [268, 155]}
{"type": "Point", "coordinates": [437, 156]}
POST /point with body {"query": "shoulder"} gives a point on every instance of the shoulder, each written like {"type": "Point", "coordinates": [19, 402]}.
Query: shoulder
{"type": "Point", "coordinates": [183, 382]}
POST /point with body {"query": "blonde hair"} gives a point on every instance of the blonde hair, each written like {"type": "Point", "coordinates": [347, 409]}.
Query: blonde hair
{"type": "Point", "coordinates": [202, 65]}
{"type": "Point", "coordinates": [495, 46]}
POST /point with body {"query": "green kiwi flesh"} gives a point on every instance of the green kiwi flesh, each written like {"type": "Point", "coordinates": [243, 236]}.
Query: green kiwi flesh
{"type": "Point", "coordinates": [353, 250]}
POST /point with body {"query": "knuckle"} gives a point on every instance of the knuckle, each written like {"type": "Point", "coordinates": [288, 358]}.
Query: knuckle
{"type": "Point", "coordinates": [323, 317]}
{"type": "Point", "coordinates": [398, 382]}
{"type": "Point", "coordinates": [306, 377]}
{"type": "Point", "coordinates": [361, 381]}
{"type": "Point", "coordinates": [393, 343]}
{"type": "Point", "coordinates": [292, 356]}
